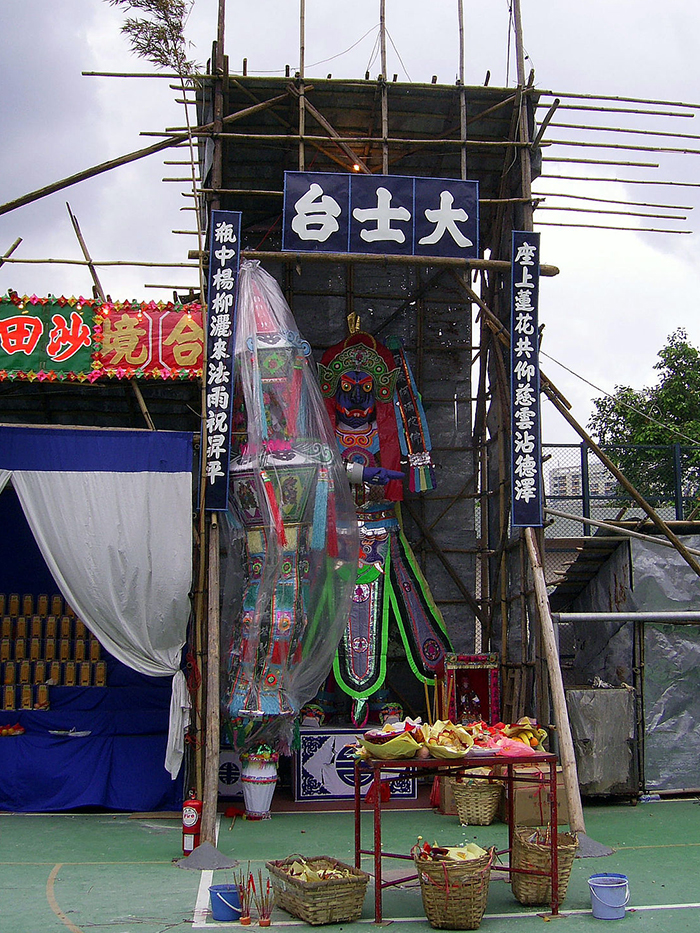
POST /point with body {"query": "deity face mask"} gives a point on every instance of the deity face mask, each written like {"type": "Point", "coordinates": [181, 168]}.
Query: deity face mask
{"type": "Point", "coordinates": [354, 399]}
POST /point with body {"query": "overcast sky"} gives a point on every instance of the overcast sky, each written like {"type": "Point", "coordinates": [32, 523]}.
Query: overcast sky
{"type": "Point", "coordinates": [619, 294]}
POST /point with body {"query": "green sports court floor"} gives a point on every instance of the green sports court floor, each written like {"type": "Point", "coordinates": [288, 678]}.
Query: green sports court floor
{"type": "Point", "coordinates": [116, 873]}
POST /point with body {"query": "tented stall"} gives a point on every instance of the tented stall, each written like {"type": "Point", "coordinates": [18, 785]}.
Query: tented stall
{"type": "Point", "coordinates": [110, 513]}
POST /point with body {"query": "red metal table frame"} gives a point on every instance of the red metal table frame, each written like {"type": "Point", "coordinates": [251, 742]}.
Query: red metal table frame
{"type": "Point", "coordinates": [412, 767]}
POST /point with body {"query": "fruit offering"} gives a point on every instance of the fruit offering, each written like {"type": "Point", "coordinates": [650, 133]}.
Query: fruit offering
{"type": "Point", "coordinates": [12, 730]}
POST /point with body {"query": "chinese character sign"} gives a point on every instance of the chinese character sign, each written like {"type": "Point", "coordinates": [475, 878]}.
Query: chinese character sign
{"type": "Point", "coordinates": [526, 454]}
{"type": "Point", "coordinates": [224, 259]}
{"type": "Point", "coordinates": [148, 340]}
{"type": "Point", "coordinates": [396, 214]}
{"type": "Point", "coordinates": [45, 338]}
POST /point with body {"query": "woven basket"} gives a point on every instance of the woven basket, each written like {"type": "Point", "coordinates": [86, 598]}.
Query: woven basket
{"type": "Point", "coordinates": [338, 900]}
{"type": "Point", "coordinates": [477, 800]}
{"type": "Point", "coordinates": [537, 889]}
{"type": "Point", "coordinates": [454, 893]}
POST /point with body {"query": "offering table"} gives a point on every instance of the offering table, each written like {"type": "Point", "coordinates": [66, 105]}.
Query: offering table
{"type": "Point", "coordinates": [413, 767]}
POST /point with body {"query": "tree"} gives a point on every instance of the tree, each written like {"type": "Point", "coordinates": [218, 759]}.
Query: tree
{"type": "Point", "coordinates": [661, 415]}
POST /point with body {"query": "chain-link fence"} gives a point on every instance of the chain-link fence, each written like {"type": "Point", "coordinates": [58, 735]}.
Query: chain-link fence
{"type": "Point", "coordinates": [576, 482]}
{"type": "Point", "coordinates": [578, 486]}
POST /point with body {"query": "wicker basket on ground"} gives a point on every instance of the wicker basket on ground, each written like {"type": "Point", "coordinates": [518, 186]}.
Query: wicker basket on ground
{"type": "Point", "coordinates": [476, 799]}
{"type": "Point", "coordinates": [335, 900]}
{"type": "Point", "coordinates": [454, 892]}
{"type": "Point", "coordinates": [532, 851]}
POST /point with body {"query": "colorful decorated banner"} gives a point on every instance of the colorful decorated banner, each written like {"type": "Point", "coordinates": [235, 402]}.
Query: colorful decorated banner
{"type": "Point", "coordinates": [396, 214]}
{"type": "Point", "coordinates": [83, 340]}
{"type": "Point", "coordinates": [224, 260]}
{"type": "Point", "coordinates": [526, 447]}
{"type": "Point", "coordinates": [148, 341]}
{"type": "Point", "coordinates": [45, 338]}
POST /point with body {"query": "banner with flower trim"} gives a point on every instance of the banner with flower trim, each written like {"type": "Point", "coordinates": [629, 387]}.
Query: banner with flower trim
{"type": "Point", "coordinates": [148, 340]}
{"type": "Point", "coordinates": [46, 338]}
{"type": "Point", "coordinates": [83, 339]}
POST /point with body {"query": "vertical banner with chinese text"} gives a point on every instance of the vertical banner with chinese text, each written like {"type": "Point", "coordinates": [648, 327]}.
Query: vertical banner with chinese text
{"type": "Point", "coordinates": [224, 259]}
{"type": "Point", "coordinates": [526, 449]}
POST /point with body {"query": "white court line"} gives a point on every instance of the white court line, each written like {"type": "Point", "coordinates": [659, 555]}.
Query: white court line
{"type": "Point", "coordinates": [203, 909]}
{"type": "Point", "coordinates": [202, 905]}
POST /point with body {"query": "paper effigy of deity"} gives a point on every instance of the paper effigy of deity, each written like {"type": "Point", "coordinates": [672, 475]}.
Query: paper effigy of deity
{"type": "Point", "coordinates": [290, 495]}
{"type": "Point", "coordinates": [373, 402]}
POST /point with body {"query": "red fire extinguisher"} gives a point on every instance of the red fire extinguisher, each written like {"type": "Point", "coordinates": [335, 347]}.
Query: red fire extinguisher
{"type": "Point", "coordinates": [191, 823]}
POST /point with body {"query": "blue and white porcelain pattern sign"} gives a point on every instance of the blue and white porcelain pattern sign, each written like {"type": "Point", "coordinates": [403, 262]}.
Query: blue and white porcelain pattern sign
{"type": "Point", "coordinates": [388, 214]}
{"type": "Point", "coordinates": [325, 768]}
{"type": "Point", "coordinates": [526, 448]}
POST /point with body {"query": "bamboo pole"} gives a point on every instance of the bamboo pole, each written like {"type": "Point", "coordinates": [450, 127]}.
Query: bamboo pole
{"type": "Point", "coordinates": [625, 181]}
{"type": "Point", "coordinates": [617, 529]}
{"type": "Point", "coordinates": [213, 716]}
{"type": "Point", "coordinates": [556, 685]}
{"type": "Point", "coordinates": [101, 292]}
{"type": "Point", "coordinates": [384, 88]}
{"type": "Point", "coordinates": [554, 223]}
{"type": "Point", "coordinates": [279, 256]}
{"type": "Point", "coordinates": [332, 132]}
{"type": "Point", "coordinates": [600, 162]}
{"type": "Point", "coordinates": [473, 605]}
{"type": "Point", "coordinates": [462, 90]}
{"type": "Point", "coordinates": [620, 129]}
{"type": "Point", "coordinates": [110, 262]}
{"type": "Point", "coordinates": [129, 157]}
{"type": "Point", "coordinates": [495, 265]}
{"type": "Point", "coordinates": [587, 197]}
{"type": "Point", "coordinates": [587, 144]}
{"type": "Point", "coordinates": [6, 255]}
{"type": "Point", "coordinates": [566, 742]}
{"type": "Point", "coordinates": [650, 113]}
{"type": "Point", "coordinates": [628, 100]}
{"type": "Point", "coordinates": [301, 89]}
{"type": "Point", "coordinates": [436, 141]}
{"type": "Point", "coordinates": [601, 210]}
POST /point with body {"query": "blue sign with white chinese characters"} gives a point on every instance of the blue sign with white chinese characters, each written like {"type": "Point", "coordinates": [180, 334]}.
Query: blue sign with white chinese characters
{"type": "Point", "coordinates": [224, 260]}
{"type": "Point", "coordinates": [526, 447]}
{"type": "Point", "coordinates": [385, 214]}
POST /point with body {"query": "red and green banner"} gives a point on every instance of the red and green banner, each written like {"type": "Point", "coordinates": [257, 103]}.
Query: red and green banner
{"type": "Point", "coordinates": [83, 339]}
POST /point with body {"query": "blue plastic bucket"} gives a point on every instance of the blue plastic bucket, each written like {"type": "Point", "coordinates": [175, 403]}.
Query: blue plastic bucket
{"type": "Point", "coordinates": [609, 895]}
{"type": "Point", "coordinates": [225, 903]}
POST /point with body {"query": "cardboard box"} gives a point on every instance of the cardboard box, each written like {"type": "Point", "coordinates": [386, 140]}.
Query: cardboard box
{"type": "Point", "coordinates": [532, 801]}
{"type": "Point", "coordinates": [447, 798]}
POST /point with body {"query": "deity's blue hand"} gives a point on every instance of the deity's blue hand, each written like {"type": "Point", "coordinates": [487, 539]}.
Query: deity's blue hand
{"type": "Point", "coordinates": [378, 476]}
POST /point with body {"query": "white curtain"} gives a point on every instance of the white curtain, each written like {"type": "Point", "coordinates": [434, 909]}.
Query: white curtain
{"type": "Point", "coordinates": [4, 476]}
{"type": "Point", "coordinates": [119, 546]}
